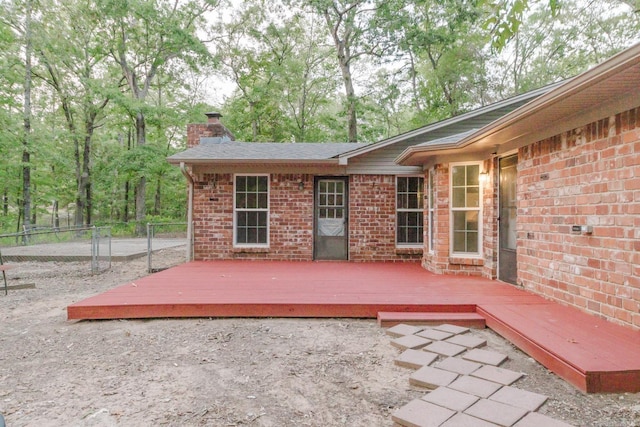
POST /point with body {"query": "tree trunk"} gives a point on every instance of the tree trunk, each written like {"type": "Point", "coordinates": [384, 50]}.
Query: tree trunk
{"type": "Point", "coordinates": [26, 155]}
{"type": "Point", "coordinates": [344, 59]}
{"type": "Point", "coordinates": [89, 201]}
{"type": "Point", "coordinates": [254, 121]}
{"type": "Point", "coordinates": [86, 167]}
{"type": "Point", "coordinates": [80, 206]}
{"type": "Point", "coordinates": [141, 186]}
{"type": "Point", "coordinates": [20, 215]}
{"type": "Point", "coordinates": [55, 220]}
{"type": "Point", "coordinates": [156, 199]}
{"type": "Point", "coordinates": [352, 118]}
{"type": "Point", "coordinates": [125, 209]}
{"type": "Point", "coordinates": [414, 84]}
{"type": "Point", "coordinates": [34, 216]}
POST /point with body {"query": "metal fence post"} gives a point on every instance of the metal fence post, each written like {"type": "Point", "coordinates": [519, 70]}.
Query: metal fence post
{"type": "Point", "coordinates": [109, 228]}
{"type": "Point", "coordinates": [149, 248]}
{"type": "Point", "coordinates": [95, 250]}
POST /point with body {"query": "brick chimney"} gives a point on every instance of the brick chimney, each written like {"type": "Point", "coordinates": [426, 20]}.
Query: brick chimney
{"type": "Point", "coordinates": [213, 128]}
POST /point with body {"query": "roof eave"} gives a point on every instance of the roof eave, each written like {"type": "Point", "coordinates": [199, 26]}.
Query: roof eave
{"type": "Point", "coordinates": [416, 156]}
{"type": "Point", "coordinates": [488, 136]}
{"type": "Point", "coordinates": [448, 122]}
{"type": "Point", "coordinates": [229, 162]}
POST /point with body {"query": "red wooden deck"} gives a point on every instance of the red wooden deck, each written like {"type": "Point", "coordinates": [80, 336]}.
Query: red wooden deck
{"type": "Point", "coordinates": [591, 353]}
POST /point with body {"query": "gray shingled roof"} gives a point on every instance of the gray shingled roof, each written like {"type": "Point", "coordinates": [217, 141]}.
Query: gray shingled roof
{"type": "Point", "coordinates": [211, 149]}
{"type": "Point", "coordinates": [448, 140]}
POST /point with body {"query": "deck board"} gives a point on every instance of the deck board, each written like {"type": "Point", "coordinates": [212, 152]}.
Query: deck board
{"type": "Point", "coordinates": [592, 354]}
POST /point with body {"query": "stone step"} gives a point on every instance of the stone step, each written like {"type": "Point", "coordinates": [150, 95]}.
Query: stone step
{"type": "Point", "coordinates": [387, 319]}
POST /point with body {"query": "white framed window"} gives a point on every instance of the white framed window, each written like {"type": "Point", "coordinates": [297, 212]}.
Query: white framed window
{"type": "Point", "coordinates": [466, 209]}
{"type": "Point", "coordinates": [431, 211]}
{"type": "Point", "coordinates": [409, 210]}
{"type": "Point", "coordinates": [251, 210]}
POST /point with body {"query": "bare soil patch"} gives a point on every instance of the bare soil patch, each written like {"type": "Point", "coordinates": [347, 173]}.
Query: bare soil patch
{"type": "Point", "coordinates": [219, 372]}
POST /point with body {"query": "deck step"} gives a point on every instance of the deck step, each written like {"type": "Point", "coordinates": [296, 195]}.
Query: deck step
{"type": "Point", "coordinates": [387, 319]}
{"type": "Point", "coordinates": [594, 355]}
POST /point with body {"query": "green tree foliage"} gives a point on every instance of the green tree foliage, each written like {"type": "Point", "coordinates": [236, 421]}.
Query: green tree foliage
{"type": "Point", "coordinates": [74, 65]}
{"type": "Point", "coordinates": [552, 48]}
{"type": "Point", "coordinates": [10, 86]}
{"type": "Point", "coordinates": [144, 37]}
{"type": "Point", "coordinates": [280, 68]}
{"type": "Point", "coordinates": [443, 46]}
{"type": "Point", "coordinates": [84, 109]}
{"type": "Point", "coordinates": [114, 82]}
{"type": "Point", "coordinates": [357, 29]}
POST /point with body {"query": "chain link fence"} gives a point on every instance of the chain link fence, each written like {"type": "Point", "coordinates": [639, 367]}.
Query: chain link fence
{"type": "Point", "coordinates": [97, 247]}
{"type": "Point", "coordinates": [92, 244]}
{"type": "Point", "coordinates": [160, 235]}
{"type": "Point", "coordinates": [100, 249]}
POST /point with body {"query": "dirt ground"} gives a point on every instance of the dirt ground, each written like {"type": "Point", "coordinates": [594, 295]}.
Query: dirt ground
{"type": "Point", "coordinates": [219, 372]}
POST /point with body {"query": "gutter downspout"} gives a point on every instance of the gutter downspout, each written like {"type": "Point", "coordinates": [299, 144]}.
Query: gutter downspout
{"type": "Point", "coordinates": [186, 174]}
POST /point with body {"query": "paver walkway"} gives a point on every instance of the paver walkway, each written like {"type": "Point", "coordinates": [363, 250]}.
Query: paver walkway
{"type": "Point", "coordinates": [466, 389]}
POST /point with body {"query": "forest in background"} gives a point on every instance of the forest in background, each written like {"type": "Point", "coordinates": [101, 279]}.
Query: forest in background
{"type": "Point", "coordinates": [94, 95]}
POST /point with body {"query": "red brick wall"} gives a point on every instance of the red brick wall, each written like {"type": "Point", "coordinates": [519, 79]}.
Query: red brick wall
{"type": "Point", "coordinates": [588, 176]}
{"type": "Point", "coordinates": [291, 216]}
{"type": "Point", "coordinates": [372, 220]}
{"type": "Point", "coordinates": [205, 130]}
{"type": "Point", "coordinates": [440, 260]}
{"type": "Point", "coordinates": [213, 217]}
{"type": "Point", "coordinates": [371, 228]}
{"type": "Point", "coordinates": [490, 220]}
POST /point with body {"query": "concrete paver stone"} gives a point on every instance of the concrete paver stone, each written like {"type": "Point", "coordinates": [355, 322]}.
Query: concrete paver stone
{"type": "Point", "coordinates": [457, 365]}
{"type": "Point", "coordinates": [519, 398]}
{"type": "Point", "coordinates": [485, 356]}
{"type": "Point", "coordinates": [534, 419]}
{"type": "Point", "coordinates": [419, 413]}
{"type": "Point", "coordinates": [464, 420]}
{"type": "Point", "coordinates": [415, 359]}
{"type": "Point", "coordinates": [445, 348]}
{"type": "Point", "coordinates": [450, 399]}
{"type": "Point", "coordinates": [496, 412]}
{"type": "Point", "coordinates": [431, 377]}
{"type": "Point", "coordinates": [402, 329]}
{"type": "Point", "coordinates": [434, 334]}
{"type": "Point", "coordinates": [498, 375]}
{"type": "Point", "coordinates": [453, 329]}
{"type": "Point", "coordinates": [475, 386]}
{"type": "Point", "coordinates": [467, 340]}
{"type": "Point", "coordinates": [410, 341]}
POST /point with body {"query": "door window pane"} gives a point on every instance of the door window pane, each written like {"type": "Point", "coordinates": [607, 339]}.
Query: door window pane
{"type": "Point", "coordinates": [331, 208]}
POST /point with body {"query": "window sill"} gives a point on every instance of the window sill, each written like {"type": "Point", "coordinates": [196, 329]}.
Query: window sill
{"type": "Point", "coordinates": [250, 250]}
{"type": "Point", "coordinates": [409, 250]}
{"type": "Point", "coordinates": [457, 260]}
